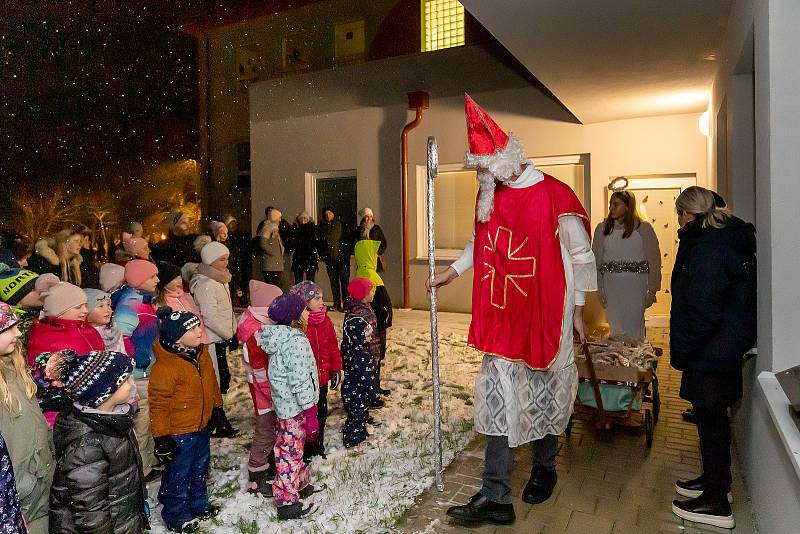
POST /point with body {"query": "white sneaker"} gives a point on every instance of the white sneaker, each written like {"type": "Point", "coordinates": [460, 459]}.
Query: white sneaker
{"type": "Point", "coordinates": [699, 512]}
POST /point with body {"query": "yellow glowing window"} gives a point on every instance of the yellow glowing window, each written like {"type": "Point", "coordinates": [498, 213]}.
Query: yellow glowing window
{"type": "Point", "coordinates": [442, 24]}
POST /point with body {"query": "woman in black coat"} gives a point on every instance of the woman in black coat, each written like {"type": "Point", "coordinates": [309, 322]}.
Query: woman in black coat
{"type": "Point", "coordinates": [305, 257]}
{"type": "Point", "coordinates": [98, 483]}
{"type": "Point", "coordinates": [712, 325]}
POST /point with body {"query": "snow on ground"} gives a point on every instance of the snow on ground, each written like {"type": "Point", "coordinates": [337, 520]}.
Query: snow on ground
{"type": "Point", "coordinates": [369, 487]}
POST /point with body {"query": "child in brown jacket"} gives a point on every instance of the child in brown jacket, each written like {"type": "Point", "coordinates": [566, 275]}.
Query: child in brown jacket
{"type": "Point", "coordinates": [184, 398]}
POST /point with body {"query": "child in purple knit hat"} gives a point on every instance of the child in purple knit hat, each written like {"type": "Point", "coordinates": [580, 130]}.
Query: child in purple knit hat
{"type": "Point", "coordinates": [293, 380]}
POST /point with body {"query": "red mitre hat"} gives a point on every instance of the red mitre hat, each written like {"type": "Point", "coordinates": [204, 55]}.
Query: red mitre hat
{"type": "Point", "coordinates": [485, 136]}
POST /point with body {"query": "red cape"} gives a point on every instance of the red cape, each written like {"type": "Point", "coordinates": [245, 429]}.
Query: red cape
{"type": "Point", "coordinates": [519, 286]}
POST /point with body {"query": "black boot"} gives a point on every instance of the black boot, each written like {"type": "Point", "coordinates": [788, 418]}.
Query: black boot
{"type": "Point", "coordinates": [293, 511]}
{"type": "Point", "coordinates": [694, 488]}
{"type": "Point", "coordinates": [259, 482]}
{"type": "Point", "coordinates": [688, 416]}
{"type": "Point", "coordinates": [708, 509]}
{"type": "Point", "coordinates": [193, 525]}
{"type": "Point", "coordinates": [310, 490]}
{"type": "Point", "coordinates": [211, 512]}
{"type": "Point", "coordinates": [480, 509]}
{"type": "Point", "coordinates": [272, 470]}
{"type": "Point", "coordinates": [378, 381]}
{"type": "Point", "coordinates": [540, 486]}
{"type": "Point", "coordinates": [311, 450]}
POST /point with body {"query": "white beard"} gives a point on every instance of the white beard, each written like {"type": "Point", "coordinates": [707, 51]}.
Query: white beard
{"type": "Point", "coordinates": [498, 167]}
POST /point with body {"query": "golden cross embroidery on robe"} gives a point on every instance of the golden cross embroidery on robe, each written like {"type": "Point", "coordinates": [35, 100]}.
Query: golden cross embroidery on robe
{"type": "Point", "coordinates": [512, 265]}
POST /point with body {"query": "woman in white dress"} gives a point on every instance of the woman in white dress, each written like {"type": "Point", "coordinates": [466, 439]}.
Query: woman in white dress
{"type": "Point", "coordinates": [628, 266]}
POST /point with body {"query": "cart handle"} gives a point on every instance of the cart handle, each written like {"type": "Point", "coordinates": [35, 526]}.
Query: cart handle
{"type": "Point", "coordinates": [601, 413]}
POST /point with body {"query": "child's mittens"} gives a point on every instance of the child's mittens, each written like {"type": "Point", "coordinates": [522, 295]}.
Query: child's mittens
{"type": "Point", "coordinates": [217, 421]}
{"type": "Point", "coordinates": [311, 424]}
{"type": "Point", "coordinates": [166, 449]}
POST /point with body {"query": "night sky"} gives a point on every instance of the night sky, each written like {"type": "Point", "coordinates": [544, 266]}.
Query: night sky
{"type": "Point", "coordinates": [90, 86]}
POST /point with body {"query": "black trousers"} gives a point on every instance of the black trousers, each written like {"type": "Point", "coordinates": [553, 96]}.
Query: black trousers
{"type": "Point", "coordinates": [272, 277]}
{"type": "Point", "coordinates": [714, 430]}
{"type": "Point", "coordinates": [499, 464]}
{"type": "Point", "coordinates": [339, 276]}
{"type": "Point", "coordinates": [317, 448]}
{"type": "Point", "coordinates": [299, 276]}
{"type": "Point", "coordinates": [221, 355]}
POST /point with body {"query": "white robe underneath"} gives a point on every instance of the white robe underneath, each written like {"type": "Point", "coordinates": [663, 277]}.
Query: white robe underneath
{"type": "Point", "coordinates": [511, 399]}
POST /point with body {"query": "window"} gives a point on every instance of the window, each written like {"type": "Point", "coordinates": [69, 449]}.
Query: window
{"type": "Point", "coordinates": [456, 189]}
{"type": "Point", "coordinates": [442, 24]}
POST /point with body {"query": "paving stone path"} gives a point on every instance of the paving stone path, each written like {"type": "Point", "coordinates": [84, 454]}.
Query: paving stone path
{"type": "Point", "coordinates": [609, 482]}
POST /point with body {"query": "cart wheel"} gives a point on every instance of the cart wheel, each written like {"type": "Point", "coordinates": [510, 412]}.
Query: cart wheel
{"type": "Point", "coordinates": [648, 428]}
{"type": "Point", "coordinates": [656, 402]}
{"type": "Point", "coordinates": [568, 430]}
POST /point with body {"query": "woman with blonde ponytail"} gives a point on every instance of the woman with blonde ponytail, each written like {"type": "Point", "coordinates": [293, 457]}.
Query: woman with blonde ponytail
{"type": "Point", "coordinates": [712, 325]}
{"type": "Point", "coordinates": [22, 425]}
{"type": "Point", "coordinates": [700, 203]}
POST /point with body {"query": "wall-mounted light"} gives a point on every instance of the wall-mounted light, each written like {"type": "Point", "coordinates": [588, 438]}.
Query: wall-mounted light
{"type": "Point", "coordinates": [702, 124]}
{"type": "Point", "coordinates": [618, 184]}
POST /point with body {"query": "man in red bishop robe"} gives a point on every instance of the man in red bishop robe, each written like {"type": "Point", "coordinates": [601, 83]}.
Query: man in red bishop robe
{"type": "Point", "coordinates": [532, 263]}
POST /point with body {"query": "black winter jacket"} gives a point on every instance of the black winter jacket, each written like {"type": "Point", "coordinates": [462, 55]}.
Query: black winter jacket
{"type": "Point", "coordinates": [713, 316]}
{"type": "Point", "coordinates": [98, 486]}
{"type": "Point", "coordinates": [331, 240]}
{"type": "Point", "coordinates": [176, 249]}
{"type": "Point", "coordinates": [305, 256]}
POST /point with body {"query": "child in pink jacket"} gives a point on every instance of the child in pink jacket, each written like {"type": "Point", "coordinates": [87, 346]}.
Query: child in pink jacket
{"type": "Point", "coordinates": [261, 466]}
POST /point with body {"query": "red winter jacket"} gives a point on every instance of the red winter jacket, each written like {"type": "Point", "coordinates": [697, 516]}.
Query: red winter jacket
{"type": "Point", "coordinates": [323, 341]}
{"type": "Point", "coordinates": [51, 334]}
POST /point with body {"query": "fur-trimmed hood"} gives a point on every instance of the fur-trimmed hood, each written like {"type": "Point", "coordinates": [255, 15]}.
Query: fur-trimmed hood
{"type": "Point", "coordinates": [46, 248]}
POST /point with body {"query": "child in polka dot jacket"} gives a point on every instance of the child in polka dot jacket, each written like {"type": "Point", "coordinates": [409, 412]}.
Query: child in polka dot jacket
{"type": "Point", "coordinates": [359, 354]}
{"type": "Point", "coordinates": [294, 385]}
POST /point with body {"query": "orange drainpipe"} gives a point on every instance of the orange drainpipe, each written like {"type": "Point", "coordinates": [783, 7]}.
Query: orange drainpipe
{"type": "Point", "coordinates": [418, 101]}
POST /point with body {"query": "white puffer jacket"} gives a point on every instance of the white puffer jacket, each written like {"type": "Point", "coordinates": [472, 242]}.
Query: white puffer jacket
{"type": "Point", "coordinates": [214, 300]}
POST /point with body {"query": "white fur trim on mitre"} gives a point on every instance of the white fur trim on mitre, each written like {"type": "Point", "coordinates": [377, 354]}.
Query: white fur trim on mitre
{"type": "Point", "coordinates": [504, 163]}
{"type": "Point", "coordinates": [500, 166]}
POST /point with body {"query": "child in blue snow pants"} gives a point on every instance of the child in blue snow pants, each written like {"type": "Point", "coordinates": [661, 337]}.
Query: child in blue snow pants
{"type": "Point", "coordinates": [184, 493]}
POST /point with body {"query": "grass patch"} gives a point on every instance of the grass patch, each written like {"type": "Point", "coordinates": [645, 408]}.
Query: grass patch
{"type": "Point", "coordinates": [417, 401]}
{"type": "Point", "coordinates": [463, 395]}
{"type": "Point", "coordinates": [247, 527]}
{"type": "Point", "coordinates": [466, 425]}
{"type": "Point", "coordinates": [226, 490]}
{"type": "Point", "coordinates": [221, 463]}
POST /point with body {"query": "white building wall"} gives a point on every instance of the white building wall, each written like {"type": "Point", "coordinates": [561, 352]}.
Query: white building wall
{"type": "Point", "coordinates": [367, 139]}
{"type": "Point", "coordinates": [763, 162]}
